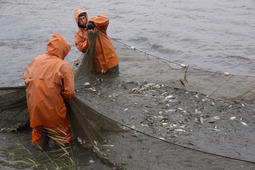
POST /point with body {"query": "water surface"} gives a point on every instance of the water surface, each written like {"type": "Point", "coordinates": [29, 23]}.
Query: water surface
{"type": "Point", "coordinates": [216, 36]}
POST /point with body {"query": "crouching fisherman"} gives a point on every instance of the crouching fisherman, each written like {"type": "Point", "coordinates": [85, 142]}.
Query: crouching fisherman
{"type": "Point", "coordinates": [49, 85]}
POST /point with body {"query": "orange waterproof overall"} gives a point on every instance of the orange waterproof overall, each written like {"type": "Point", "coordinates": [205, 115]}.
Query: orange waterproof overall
{"type": "Point", "coordinates": [106, 56]}
{"type": "Point", "coordinates": [49, 84]}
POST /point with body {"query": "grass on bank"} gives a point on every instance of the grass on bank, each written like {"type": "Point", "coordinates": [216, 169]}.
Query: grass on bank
{"type": "Point", "coordinates": [58, 157]}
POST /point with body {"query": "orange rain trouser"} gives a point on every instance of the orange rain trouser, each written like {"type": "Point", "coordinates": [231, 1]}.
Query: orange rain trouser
{"type": "Point", "coordinates": [62, 133]}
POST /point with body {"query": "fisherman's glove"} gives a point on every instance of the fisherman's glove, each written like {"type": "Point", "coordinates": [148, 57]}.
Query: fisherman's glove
{"type": "Point", "coordinates": [90, 26]}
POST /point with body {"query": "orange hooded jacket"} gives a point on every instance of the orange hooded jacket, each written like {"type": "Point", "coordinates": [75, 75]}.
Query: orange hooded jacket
{"type": "Point", "coordinates": [106, 56]}
{"type": "Point", "coordinates": [49, 84]}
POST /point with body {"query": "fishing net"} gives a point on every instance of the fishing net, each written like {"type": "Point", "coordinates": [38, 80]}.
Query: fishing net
{"type": "Point", "coordinates": [138, 121]}
{"type": "Point", "coordinates": [90, 128]}
{"type": "Point", "coordinates": [87, 64]}
{"type": "Point", "coordinates": [13, 108]}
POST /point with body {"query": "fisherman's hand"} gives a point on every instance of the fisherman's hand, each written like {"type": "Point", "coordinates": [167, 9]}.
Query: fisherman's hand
{"type": "Point", "coordinates": [90, 26]}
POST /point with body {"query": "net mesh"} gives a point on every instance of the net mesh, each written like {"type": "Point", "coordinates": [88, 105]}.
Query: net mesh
{"type": "Point", "coordinates": [13, 108]}
{"type": "Point", "coordinates": [86, 66]}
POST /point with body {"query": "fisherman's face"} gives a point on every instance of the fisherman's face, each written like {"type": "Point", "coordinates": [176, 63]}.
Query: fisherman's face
{"type": "Point", "coordinates": [82, 21]}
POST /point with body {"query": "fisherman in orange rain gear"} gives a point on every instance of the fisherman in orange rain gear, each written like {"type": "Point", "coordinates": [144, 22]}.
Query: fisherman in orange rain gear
{"type": "Point", "coordinates": [106, 58]}
{"type": "Point", "coordinates": [49, 85]}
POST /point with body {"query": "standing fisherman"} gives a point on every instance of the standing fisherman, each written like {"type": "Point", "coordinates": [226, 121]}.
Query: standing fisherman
{"type": "Point", "coordinates": [49, 85]}
{"type": "Point", "coordinates": [106, 59]}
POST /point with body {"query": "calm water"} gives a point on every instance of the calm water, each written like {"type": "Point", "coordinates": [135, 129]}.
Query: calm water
{"type": "Point", "coordinates": [216, 35]}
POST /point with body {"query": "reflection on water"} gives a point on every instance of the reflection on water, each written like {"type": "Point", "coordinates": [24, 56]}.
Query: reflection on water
{"type": "Point", "coordinates": [213, 35]}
